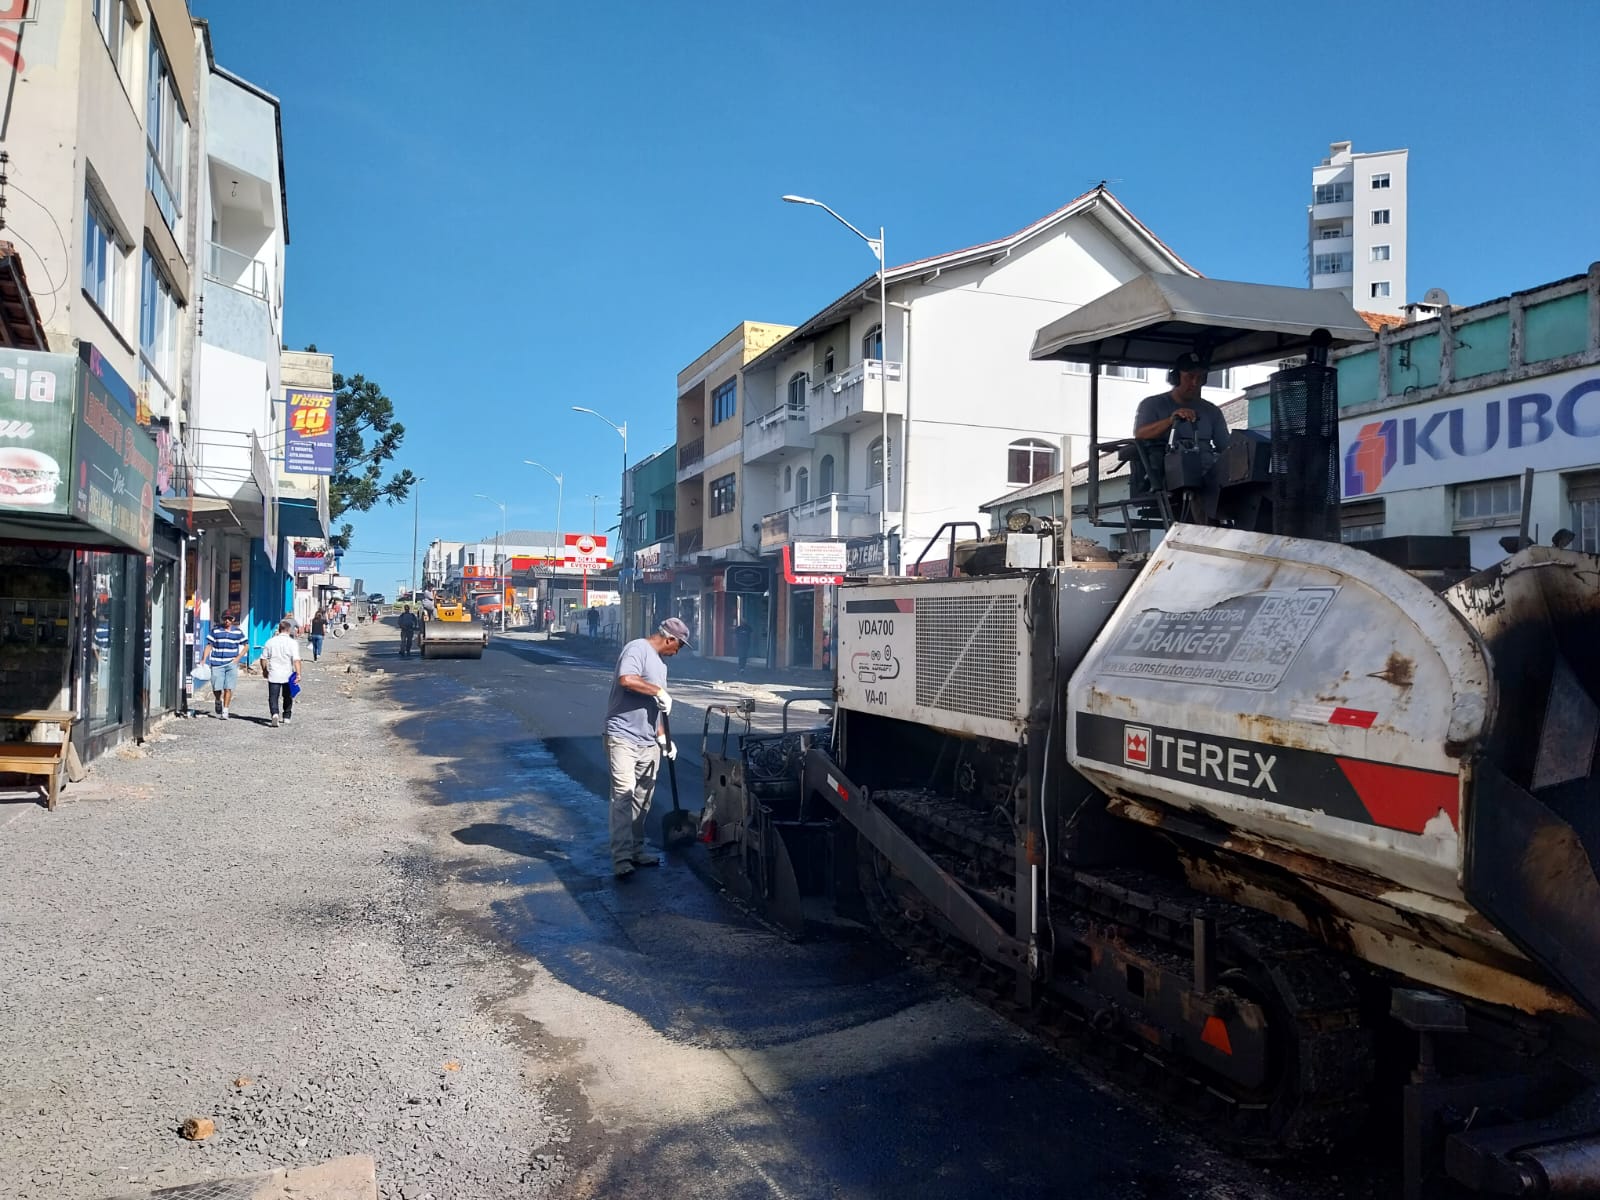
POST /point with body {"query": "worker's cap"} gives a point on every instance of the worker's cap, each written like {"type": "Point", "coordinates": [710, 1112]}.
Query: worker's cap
{"type": "Point", "coordinates": [675, 629]}
{"type": "Point", "coordinates": [1189, 362]}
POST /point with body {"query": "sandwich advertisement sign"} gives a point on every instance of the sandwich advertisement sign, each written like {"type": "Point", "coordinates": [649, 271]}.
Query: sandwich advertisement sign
{"type": "Point", "coordinates": [70, 445]}
{"type": "Point", "coordinates": [36, 422]}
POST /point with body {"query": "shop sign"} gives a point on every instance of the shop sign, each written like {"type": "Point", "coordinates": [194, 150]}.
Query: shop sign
{"type": "Point", "coordinates": [236, 585]}
{"type": "Point", "coordinates": [819, 558]}
{"type": "Point", "coordinates": [1548, 424]}
{"type": "Point", "coordinates": [587, 552]}
{"type": "Point", "coordinates": [310, 564]}
{"type": "Point", "coordinates": [36, 412]}
{"type": "Point", "coordinates": [309, 440]}
{"type": "Point", "coordinates": [114, 461]}
{"type": "Point", "coordinates": [807, 579]}
{"type": "Point", "coordinates": [745, 578]}
{"type": "Point", "coordinates": [864, 556]}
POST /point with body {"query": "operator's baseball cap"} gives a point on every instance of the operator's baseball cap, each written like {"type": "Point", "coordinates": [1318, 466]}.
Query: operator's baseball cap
{"type": "Point", "coordinates": [676, 629]}
{"type": "Point", "coordinates": [1189, 362]}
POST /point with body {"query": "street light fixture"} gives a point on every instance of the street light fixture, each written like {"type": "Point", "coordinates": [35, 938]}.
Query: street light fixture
{"type": "Point", "coordinates": [876, 245]}
{"type": "Point", "coordinates": [561, 487]}
{"type": "Point", "coordinates": [499, 554]}
{"type": "Point", "coordinates": [622, 431]}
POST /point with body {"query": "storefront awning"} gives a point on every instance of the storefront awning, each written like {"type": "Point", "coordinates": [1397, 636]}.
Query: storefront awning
{"type": "Point", "coordinates": [299, 519]}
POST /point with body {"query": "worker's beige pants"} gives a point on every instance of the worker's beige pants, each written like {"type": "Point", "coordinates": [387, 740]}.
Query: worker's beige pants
{"type": "Point", "coordinates": [633, 782]}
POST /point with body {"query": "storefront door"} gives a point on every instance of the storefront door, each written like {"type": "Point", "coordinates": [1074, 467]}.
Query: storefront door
{"type": "Point", "coordinates": [802, 620]}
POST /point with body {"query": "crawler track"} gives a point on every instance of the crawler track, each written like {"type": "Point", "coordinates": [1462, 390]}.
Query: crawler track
{"type": "Point", "coordinates": [1322, 1057]}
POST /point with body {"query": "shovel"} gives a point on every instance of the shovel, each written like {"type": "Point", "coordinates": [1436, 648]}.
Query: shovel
{"type": "Point", "coordinates": [678, 827]}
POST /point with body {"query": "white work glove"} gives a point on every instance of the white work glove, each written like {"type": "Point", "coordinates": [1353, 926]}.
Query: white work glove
{"type": "Point", "coordinates": [669, 750]}
{"type": "Point", "coordinates": [665, 701]}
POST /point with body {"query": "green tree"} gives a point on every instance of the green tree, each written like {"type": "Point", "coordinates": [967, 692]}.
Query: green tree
{"type": "Point", "coordinates": [367, 437]}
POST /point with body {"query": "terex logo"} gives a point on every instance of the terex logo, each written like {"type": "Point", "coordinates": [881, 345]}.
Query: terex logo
{"type": "Point", "coordinates": [1136, 746]}
{"type": "Point", "coordinates": [1170, 754]}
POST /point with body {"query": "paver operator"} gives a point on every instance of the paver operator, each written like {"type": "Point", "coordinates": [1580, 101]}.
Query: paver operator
{"type": "Point", "coordinates": [635, 740]}
{"type": "Point", "coordinates": [1194, 419]}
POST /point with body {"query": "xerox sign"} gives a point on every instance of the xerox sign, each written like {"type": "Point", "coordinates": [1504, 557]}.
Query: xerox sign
{"type": "Point", "coordinates": [1547, 424]}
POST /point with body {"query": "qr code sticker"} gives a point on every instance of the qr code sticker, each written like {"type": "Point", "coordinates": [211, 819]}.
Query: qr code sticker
{"type": "Point", "coordinates": [1281, 626]}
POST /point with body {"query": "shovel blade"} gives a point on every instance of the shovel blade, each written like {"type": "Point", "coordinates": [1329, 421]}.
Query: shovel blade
{"type": "Point", "coordinates": [679, 827]}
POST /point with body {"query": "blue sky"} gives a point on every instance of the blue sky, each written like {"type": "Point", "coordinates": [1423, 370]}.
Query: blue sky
{"type": "Point", "coordinates": [501, 215]}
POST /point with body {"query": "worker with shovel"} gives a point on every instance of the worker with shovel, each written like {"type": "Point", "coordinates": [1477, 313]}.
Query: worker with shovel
{"type": "Point", "coordinates": [636, 739]}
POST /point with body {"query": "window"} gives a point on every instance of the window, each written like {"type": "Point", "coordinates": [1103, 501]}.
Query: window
{"type": "Point", "coordinates": [723, 495]}
{"type": "Point", "coordinates": [166, 138]}
{"type": "Point", "coordinates": [802, 486]}
{"type": "Point", "coordinates": [1380, 181]}
{"type": "Point", "coordinates": [666, 523]}
{"type": "Point", "coordinates": [1380, 216]}
{"type": "Point", "coordinates": [1380, 289]}
{"type": "Point", "coordinates": [827, 362]}
{"type": "Point", "coordinates": [872, 343]}
{"type": "Point", "coordinates": [1583, 496]}
{"type": "Point", "coordinates": [1329, 232]}
{"type": "Point", "coordinates": [111, 17]}
{"type": "Point", "coordinates": [1029, 461]}
{"type": "Point", "coordinates": [1380, 254]}
{"type": "Point", "coordinates": [158, 322]}
{"type": "Point", "coordinates": [1220, 379]}
{"type": "Point", "coordinates": [724, 401]}
{"type": "Point", "coordinates": [1075, 368]}
{"type": "Point", "coordinates": [797, 392]}
{"type": "Point", "coordinates": [1332, 264]}
{"type": "Point", "coordinates": [825, 476]}
{"type": "Point", "coordinates": [1361, 521]}
{"type": "Point", "coordinates": [103, 255]}
{"type": "Point", "coordinates": [875, 465]}
{"type": "Point", "coordinates": [788, 479]}
{"type": "Point", "coordinates": [1138, 374]}
{"type": "Point", "coordinates": [1331, 193]}
{"type": "Point", "coordinates": [1491, 502]}
{"type": "Point", "coordinates": [641, 527]}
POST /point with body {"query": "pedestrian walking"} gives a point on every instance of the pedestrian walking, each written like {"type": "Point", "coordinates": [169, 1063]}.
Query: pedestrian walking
{"type": "Point", "coordinates": [549, 617]}
{"type": "Point", "coordinates": [594, 622]}
{"type": "Point", "coordinates": [280, 663]}
{"type": "Point", "coordinates": [741, 642]}
{"type": "Point", "coordinates": [408, 630]}
{"type": "Point", "coordinates": [319, 630]}
{"type": "Point", "coordinates": [224, 649]}
{"type": "Point", "coordinates": [635, 741]}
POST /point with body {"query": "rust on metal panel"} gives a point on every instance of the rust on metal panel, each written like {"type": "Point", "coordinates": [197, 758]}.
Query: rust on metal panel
{"type": "Point", "coordinates": [1398, 670]}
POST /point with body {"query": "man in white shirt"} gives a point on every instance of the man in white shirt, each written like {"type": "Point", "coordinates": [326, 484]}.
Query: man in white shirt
{"type": "Point", "coordinates": [280, 662]}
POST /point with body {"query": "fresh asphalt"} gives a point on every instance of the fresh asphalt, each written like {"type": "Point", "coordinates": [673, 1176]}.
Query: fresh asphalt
{"type": "Point", "coordinates": [700, 1053]}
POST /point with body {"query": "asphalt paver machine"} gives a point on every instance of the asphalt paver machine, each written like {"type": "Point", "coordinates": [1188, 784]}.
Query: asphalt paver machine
{"type": "Point", "coordinates": [1299, 838]}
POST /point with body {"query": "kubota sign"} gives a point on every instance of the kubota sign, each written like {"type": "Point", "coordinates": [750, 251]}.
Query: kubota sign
{"type": "Point", "coordinates": [1548, 424]}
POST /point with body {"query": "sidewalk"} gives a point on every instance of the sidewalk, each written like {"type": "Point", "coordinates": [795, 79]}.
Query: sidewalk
{"type": "Point", "coordinates": [240, 922]}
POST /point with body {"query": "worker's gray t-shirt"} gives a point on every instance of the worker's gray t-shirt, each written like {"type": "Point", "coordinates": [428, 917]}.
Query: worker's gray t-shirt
{"type": "Point", "coordinates": [629, 715]}
{"type": "Point", "coordinates": [1209, 428]}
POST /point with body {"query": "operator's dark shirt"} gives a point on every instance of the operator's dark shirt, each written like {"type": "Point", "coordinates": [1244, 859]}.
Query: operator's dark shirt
{"type": "Point", "coordinates": [408, 622]}
{"type": "Point", "coordinates": [1209, 429]}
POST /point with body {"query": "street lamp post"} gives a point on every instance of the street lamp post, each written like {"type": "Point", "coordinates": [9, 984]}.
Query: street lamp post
{"type": "Point", "coordinates": [877, 247]}
{"type": "Point", "coordinates": [416, 505]}
{"type": "Point", "coordinates": [499, 551]}
{"type": "Point", "coordinates": [560, 491]}
{"type": "Point", "coordinates": [622, 432]}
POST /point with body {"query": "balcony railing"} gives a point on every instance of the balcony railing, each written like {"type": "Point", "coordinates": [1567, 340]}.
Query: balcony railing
{"type": "Point", "coordinates": [834, 515]}
{"type": "Point", "coordinates": [238, 271]}
{"type": "Point", "coordinates": [690, 541]}
{"type": "Point", "coordinates": [691, 452]}
{"type": "Point", "coordinates": [854, 391]}
{"type": "Point", "coordinates": [785, 427]}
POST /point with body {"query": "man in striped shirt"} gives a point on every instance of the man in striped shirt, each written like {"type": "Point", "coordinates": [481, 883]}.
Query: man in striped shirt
{"type": "Point", "coordinates": [224, 649]}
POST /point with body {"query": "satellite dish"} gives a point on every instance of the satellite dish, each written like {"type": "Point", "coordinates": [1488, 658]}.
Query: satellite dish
{"type": "Point", "coordinates": [1436, 298]}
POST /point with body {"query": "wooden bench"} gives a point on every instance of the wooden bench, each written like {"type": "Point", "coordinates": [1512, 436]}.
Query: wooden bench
{"type": "Point", "coordinates": [39, 758]}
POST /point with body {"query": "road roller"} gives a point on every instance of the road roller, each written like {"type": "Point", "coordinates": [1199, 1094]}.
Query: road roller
{"type": "Point", "coordinates": [452, 633]}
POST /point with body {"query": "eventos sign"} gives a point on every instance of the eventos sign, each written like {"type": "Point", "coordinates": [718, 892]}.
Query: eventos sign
{"type": "Point", "coordinates": [587, 552]}
{"type": "Point", "coordinates": [1547, 424]}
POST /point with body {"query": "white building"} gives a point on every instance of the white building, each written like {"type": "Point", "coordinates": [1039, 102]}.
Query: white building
{"type": "Point", "coordinates": [1356, 227]}
{"type": "Point", "coordinates": [984, 417]}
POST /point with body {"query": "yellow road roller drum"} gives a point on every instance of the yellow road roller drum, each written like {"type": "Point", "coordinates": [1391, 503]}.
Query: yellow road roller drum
{"type": "Point", "coordinates": [450, 633]}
